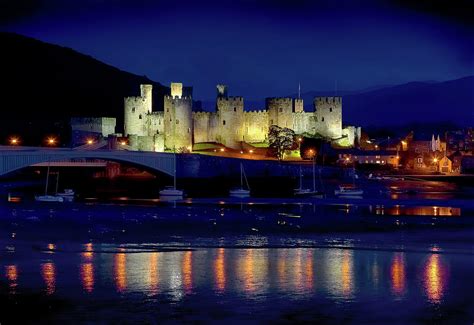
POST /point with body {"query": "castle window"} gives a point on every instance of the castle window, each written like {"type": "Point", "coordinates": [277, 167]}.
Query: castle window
{"type": "Point", "coordinates": [281, 109]}
{"type": "Point", "coordinates": [167, 109]}
{"type": "Point", "coordinates": [322, 119]}
{"type": "Point", "coordinates": [177, 121]}
{"type": "Point", "coordinates": [189, 130]}
{"type": "Point", "coordinates": [133, 110]}
{"type": "Point", "coordinates": [271, 122]}
{"type": "Point", "coordinates": [235, 109]}
{"type": "Point", "coordinates": [330, 109]}
{"type": "Point", "coordinates": [223, 122]}
{"type": "Point", "coordinates": [140, 116]}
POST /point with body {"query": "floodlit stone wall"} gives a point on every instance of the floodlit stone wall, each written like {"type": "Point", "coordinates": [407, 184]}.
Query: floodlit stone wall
{"type": "Point", "coordinates": [179, 127]}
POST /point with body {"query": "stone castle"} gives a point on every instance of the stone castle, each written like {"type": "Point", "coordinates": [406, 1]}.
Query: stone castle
{"type": "Point", "coordinates": [179, 127]}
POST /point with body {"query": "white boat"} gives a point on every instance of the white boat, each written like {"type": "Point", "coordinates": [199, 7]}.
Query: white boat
{"type": "Point", "coordinates": [241, 192]}
{"type": "Point", "coordinates": [171, 193]}
{"type": "Point", "coordinates": [67, 193]}
{"type": "Point", "coordinates": [348, 190]}
{"type": "Point", "coordinates": [49, 198]}
{"type": "Point", "coordinates": [46, 197]}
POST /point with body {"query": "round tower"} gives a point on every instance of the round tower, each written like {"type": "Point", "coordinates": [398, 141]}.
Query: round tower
{"type": "Point", "coordinates": [280, 112]}
{"type": "Point", "coordinates": [328, 113]}
{"type": "Point", "coordinates": [178, 122]}
{"type": "Point", "coordinates": [230, 111]}
{"type": "Point", "coordinates": [136, 108]}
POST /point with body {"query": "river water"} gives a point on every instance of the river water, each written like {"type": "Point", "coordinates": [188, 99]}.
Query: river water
{"type": "Point", "coordinates": [234, 262]}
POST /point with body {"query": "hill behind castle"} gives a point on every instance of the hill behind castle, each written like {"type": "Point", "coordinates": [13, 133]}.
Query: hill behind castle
{"type": "Point", "coordinates": [43, 85]}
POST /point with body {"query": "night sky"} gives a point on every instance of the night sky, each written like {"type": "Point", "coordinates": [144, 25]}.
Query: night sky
{"type": "Point", "coordinates": [260, 48]}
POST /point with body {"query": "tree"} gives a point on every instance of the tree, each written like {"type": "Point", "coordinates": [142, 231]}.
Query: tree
{"type": "Point", "coordinates": [281, 139]}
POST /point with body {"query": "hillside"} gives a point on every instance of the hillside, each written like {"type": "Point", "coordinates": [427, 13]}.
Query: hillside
{"type": "Point", "coordinates": [43, 85]}
{"type": "Point", "coordinates": [449, 102]}
{"type": "Point", "coordinates": [430, 102]}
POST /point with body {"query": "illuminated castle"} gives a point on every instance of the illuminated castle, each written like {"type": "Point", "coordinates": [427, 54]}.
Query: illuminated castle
{"type": "Point", "coordinates": [178, 127]}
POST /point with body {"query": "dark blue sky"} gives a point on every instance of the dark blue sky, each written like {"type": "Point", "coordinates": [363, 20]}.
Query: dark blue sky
{"type": "Point", "coordinates": [260, 48]}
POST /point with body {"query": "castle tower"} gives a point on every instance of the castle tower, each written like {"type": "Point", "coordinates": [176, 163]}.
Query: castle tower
{"type": "Point", "coordinates": [230, 112]}
{"type": "Point", "coordinates": [298, 106]}
{"type": "Point", "coordinates": [136, 109]}
{"type": "Point", "coordinates": [280, 112]}
{"type": "Point", "coordinates": [328, 116]}
{"type": "Point", "coordinates": [178, 119]}
{"type": "Point", "coordinates": [176, 89]}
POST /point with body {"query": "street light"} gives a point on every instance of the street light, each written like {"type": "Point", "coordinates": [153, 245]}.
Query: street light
{"type": "Point", "coordinates": [251, 151]}
{"type": "Point", "coordinates": [90, 141]}
{"type": "Point", "coordinates": [14, 141]}
{"type": "Point", "coordinates": [51, 141]}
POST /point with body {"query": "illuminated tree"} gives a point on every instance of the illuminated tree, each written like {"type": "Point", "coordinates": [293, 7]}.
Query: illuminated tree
{"type": "Point", "coordinates": [281, 139]}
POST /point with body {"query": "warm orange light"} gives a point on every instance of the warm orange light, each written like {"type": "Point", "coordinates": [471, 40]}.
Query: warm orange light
{"type": "Point", "coordinates": [376, 146]}
{"type": "Point", "coordinates": [123, 143]}
{"type": "Point", "coordinates": [90, 141]}
{"type": "Point", "coordinates": [300, 139]}
{"type": "Point", "coordinates": [222, 149]}
{"type": "Point", "coordinates": [435, 159]}
{"type": "Point", "coordinates": [14, 141]}
{"type": "Point", "coordinates": [51, 141]}
{"type": "Point", "coordinates": [251, 151]}
{"type": "Point", "coordinates": [347, 158]}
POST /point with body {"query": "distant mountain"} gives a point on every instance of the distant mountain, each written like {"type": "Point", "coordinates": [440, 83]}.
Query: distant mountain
{"type": "Point", "coordinates": [428, 102]}
{"type": "Point", "coordinates": [43, 85]}
{"type": "Point", "coordinates": [415, 102]}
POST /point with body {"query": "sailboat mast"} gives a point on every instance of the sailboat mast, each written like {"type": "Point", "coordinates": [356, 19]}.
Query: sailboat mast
{"type": "Point", "coordinates": [301, 179]}
{"type": "Point", "coordinates": [57, 182]}
{"type": "Point", "coordinates": [241, 177]}
{"type": "Point", "coordinates": [174, 169]}
{"type": "Point", "coordinates": [47, 180]}
{"type": "Point", "coordinates": [314, 173]}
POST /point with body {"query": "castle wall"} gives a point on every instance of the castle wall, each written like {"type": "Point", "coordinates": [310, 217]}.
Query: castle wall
{"type": "Point", "coordinates": [256, 126]}
{"type": "Point", "coordinates": [201, 126]}
{"type": "Point", "coordinates": [179, 127]}
{"type": "Point", "coordinates": [328, 112]}
{"type": "Point", "coordinates": [101, 125]}
{"type": "Point", "coordinates": [155, 123]}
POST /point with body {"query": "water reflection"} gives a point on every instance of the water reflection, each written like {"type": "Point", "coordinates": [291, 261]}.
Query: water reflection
{"type": "Point", "coordinates": [340, 273]}
{"type": "Point", "coordinates": [87, 276]}
{"type": "Point", "coordinates": [253, 269]}
{"type": "Point", "coordinates": [188, 272]}
{"type": "Point", "coordinates": [48, 272]}
{"type": "Point", "coordinates": [397, 274]}
{"type": "Point", "coordinates": [219, 270]}
{"type": "Point", "coordinates": [415, 211]}
{"type": "Point", "coordinates": [153, 269]}
{"type": "Point", "coordinates": [435, 278]}
{"type": "Point", "coordinates": [11, 273]}
{"type": "Point", "coordinates": [87, 268]}
{"type": "Point", "coordinates": [120, 270]}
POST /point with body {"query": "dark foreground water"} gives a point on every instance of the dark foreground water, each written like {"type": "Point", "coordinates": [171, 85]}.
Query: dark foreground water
{"type": "Point", "coordinates": [236, 263]}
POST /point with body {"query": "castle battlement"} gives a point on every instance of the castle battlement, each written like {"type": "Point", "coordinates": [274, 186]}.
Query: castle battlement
{"type": "Point", "coordinates": [230, 98]}
{"type": "Point", "coordinates": [279, 100]}
{"type": "Point", "coordinates": [176, 98]}
{"type": "Point", "coordinates": [328, 100]}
